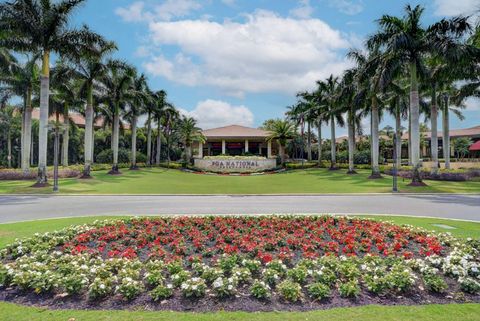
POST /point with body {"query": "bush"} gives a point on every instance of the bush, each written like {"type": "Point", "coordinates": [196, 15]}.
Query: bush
{"type": "Point", "coordinates": [435, 283]}
{"type": "Point", "coordinates": [161, 292]}
{"type": "Point", "coordinates": [319, 291]}
{"type": "Point", "coordinates": [260, 290]}
{"type": "Point", "coordinates": [194, 287]}
{"type": "Point", "coordinates": [74, 283]}
{"type": "Point", "coordinates": [290, 291]}
{"type": "Point", "coordinates": [106, 156]}
{"type": "Point", "coordinates": [141, 157]}
{"type": "Point", "coordinates": [349, 289]}
{"type": "Point", "coordinates": [129, 288]}
{"type": "Point", "coordinates": [362, 157]}
{"type": "Point", "coordinates": [298, 274]}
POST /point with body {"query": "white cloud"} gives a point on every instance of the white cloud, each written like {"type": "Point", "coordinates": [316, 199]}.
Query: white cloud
{"type": "Point", "coordinates": [457, 7]}
{"type": "Point", "coordinates": [230, 3]}
{"type": "Point", "coordinates": [169, 9]}
{"type": "Point", "coordinates": [265, 53]}
{"type": "Point", "coordinates": [216, 113]}
{"type": "Point", "coordinates": [348, 7]}
{"type": "Point", "coordinates": [303, 11]}
{"type": "Point", "coordinates": [133, 13]}
{"type": "Point", "coordinates": [472, 104]}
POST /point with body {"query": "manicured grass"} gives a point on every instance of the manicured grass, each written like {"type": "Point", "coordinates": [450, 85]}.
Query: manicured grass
{"type": "Point", "coordinates": [464, 312]}
{"type": "Point", "coordinates": [163, 181]}
{"type": "Point", "coordinates": [8, 232]}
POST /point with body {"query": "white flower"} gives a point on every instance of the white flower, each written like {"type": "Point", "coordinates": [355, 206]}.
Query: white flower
{"type": "Point", "coordinates": [102, 286]}
{"type": "Point", "coordinates": [218, 283]}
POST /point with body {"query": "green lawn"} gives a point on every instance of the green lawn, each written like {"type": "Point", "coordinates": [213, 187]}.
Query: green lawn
{"type": "Point", "coordinates": [163, 181]}
{"type": "Point", "coordinates": [8, 232]}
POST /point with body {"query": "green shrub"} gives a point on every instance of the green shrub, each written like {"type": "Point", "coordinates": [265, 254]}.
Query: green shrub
{"type": "Point", "coordinates": [161, 292]}
{"type": "Point", "coordinates": [194, 287]}
{"type": "Point", "coordinates": [290, 291]}
{"type": "Point", "coordinates": [298, 274]}
{"type": "Point", "coordinates": [318, 291]}
{"type": "Point", "coordinates": [73, 283]}
{"type": "Point", "coordinates": [349, 289]}
{"type": "Point", "coordinates": [129, 288]}
{"type": "Point", "coordinates": [106, 156]}
{"type": "Point", "coordinates": [260, 290]}
{"type": "Point", "coordinates": [435, 283]}
{"type": "Point", "coordinates": [469, 285]}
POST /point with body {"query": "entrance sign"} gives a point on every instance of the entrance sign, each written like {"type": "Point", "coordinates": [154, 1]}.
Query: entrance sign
{"type": "Point", "coordinates": [235, 165]}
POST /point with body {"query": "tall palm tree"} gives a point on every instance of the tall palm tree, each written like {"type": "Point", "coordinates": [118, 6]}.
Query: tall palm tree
{"type": "Point", "coordinates": [42, 27]}
{"type": "Point", "coordinates": [282, 131]}
{"type": "Point", "coordinates": [405, 39]}
{"type": "Point", "coordinates": [189, 133]}
{"type": "Point", "coordinates": [116, 84]}
{"type": "Point", "coordinates": [161, 104]}
{"type": "Point", "coordinates": [22, 80]}
{"type": "Point", "coordinates": [90, 67]}
{"type": "Point", "coordinates": [8, 122]}
{"type": "Point", "coordinates": [137, 98]}
{"type": "Point", "coordinates": [171, 116]}
{"type": "Point", "coordinates": [150, 109]}
{"type": "Point", "coordinates": [330, 89]}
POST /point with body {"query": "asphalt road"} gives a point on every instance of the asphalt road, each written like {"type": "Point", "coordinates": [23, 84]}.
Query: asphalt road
{"type": "Point", "coordinates": [29, 207]}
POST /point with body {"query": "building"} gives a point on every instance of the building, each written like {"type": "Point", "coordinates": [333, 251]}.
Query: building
{"type": "Point", "coordinates": [473, 133]}
{"type": "Point", "coordinates": [236, 140]}
{"type": "Point", "coordinates": [76, 118]}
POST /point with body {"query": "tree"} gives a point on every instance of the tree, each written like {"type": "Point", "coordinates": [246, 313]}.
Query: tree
{"type": "Point", "coordinates": [21, 80]}
{"type": "Point", "coordinates": [8, 124]}
{"type": "Point", "coordinates": [161, 104]}
{"type": "Point", "coordinates": [330, 91]}
{"type": "Point", "coordinates": [42, 27]}
{"type": "Point", "coordinates": [461, 146]}
{"type": "Point", "coordinates": [282, 131]}
{"type": "Point", "coordinates": [116, 84]}
{"type": "Point", "coordinates": [138, 97]}
{"type": "Point", "coordinates": [405, 40]}
{"type": "Point", "coordinates": [91, 67]}
{"type": "Point", "coordinates": [189, 133]}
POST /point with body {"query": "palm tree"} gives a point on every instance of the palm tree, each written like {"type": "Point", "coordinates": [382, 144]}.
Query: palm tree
{"type": "Point", "coordinates": [407, 41]}
{"type": "Point", "coordinates": [90, 67]}
{"type": "Point", "coordinates": [42, 27]}
{"type": "Point", "coordinates": [171, 116]}
{"type": "Point", "coordinates": [282, 131]}
{"type": "Point", "coordinates": [161, 104]}
{"type": "Point", "coordinates": [150, 108]}
{"type": "Point", "coordinates": [137, 99]}
{"type": "Point", "coordinates": [21, 80]}
{"type": "Point", "coordinates": [189, 133]}
{"type": "Point", "coordinates": [116, 85]}
{"type": "Point", "coordinates": [330, 89]}
{"type": "Point", "coordinates": [397, 106]}
{"type": "Point", "coordinates": [8, 122]}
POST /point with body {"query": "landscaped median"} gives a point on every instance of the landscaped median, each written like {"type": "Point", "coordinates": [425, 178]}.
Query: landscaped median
{"type": "Point", "coordinates": [239, 263]}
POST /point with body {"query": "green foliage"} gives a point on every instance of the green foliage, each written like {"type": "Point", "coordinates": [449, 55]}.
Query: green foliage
{"type": "Point", "coordinates": [260, 290]}
{"type": "Point", "coordinates": [349, 289]}
{"type": "Point", "coordinates": [290, 291]}
{"type": "Point", "coordinates": [435, 283]}
{"type": "Point", "coordinates": [161, 292]}
{"type": "Point", "coordinates": [106, 156]}
{"type": "Point", "coordinates": [318, 291]}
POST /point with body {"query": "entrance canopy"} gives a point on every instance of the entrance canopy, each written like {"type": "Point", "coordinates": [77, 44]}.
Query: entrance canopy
{"type": "Point", "coordinates": [235, 140]}
{"type": "Point", "coordinates": [475, 147]}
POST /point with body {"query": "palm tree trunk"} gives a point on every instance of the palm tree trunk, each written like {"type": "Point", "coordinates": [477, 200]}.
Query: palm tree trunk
{"type": "Point", "coordinates": [319, 133]}
{"type": "Point", "coordinates": [22, 134]}
{"type": "Point", "coordinates": [415, 124]}
{"type": "Point", "coordinates": [282, 153]}
{"type": "Point", "coordinates": [65, 137]}
{"type": "Point", "coordinates": [409, 137]}
{"type": "Point", "coordinates": [159, 144]}
{"type": "Point", "coordinates": [351, 144]}
{"type": "Point", "coordinates": [43, 122]}
{"type": "Point", "coordinates": [398, 142]}
{"type": "Point", "coordinates": [333, 147]}
{"type": "Point", "coordinates": [446, 132]}
{"type": "Point", "coordinates": [134, 166]}
{"type": "Point", "coordinates": [375, 141]}
{"type": "Point", "coordinates": [9, 148]}
{"type": "Point", "coordinates": [115, 137]}
{"type": "Point", "coordinates": [434, 131]}
{"type": "Point", "coordinates": [149, 139]}
{"type": "Point", "coordinates": [27, 135]}
{"type": "Point", "coordinates": [89, 140]}
{"type": "Point", "coordinates": [309, 142]}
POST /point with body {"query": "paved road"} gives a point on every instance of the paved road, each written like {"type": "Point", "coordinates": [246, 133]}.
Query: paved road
{"type": "Point", "coordinates": [20, 208]}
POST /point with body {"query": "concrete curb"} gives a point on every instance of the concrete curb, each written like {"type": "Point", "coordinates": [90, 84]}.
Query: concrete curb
{"type": "Point", "coordinates": [269, 214]}
{"type": "Point", "coordinates": [246, 195]}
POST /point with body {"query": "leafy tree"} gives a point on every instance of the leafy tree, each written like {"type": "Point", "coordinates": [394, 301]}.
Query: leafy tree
{"type": "Point", "coordinates": [282, 131]}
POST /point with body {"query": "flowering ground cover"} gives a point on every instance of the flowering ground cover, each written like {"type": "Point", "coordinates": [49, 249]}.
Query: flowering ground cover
{"type": "Point", "coordinates": [239, 263]}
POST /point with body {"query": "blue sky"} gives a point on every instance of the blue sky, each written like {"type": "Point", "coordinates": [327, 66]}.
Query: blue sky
{"type": "Point", "coordinates": [234, 61]}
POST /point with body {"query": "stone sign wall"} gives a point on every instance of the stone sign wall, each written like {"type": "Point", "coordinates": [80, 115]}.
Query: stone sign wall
{"type": "Point", "coordinates": [235, 165]}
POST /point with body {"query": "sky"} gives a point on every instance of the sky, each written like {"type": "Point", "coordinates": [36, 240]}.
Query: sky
{"type": "Point", "coordinates": [242, 61]}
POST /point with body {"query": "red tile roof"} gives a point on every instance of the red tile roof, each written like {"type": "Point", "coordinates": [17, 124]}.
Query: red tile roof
{"type": "Point", "coordinates": [475, 146]}
{"type": "Point", "coordinates": [235, 131]}
{"type": "Point", "coordinates": [75, 117]}
{"type": "Point", "coordinates": [467, 132]}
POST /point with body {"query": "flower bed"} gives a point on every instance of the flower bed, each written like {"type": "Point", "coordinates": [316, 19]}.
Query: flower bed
{"type": "Point", "coordinates": [239, 263]}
